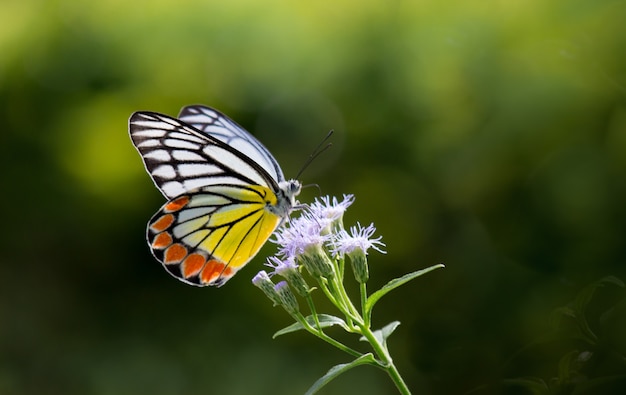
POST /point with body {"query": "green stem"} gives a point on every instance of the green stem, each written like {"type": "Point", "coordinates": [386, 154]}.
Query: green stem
{"type": "Point", "coordinates": [366, 316]}
{"type": "Point", "coordinates": [320, 334]}
{"type": "Point", "coordinates": [309, 300]}
{"type": "Point", "coordinates": [383, 355]}
{"type": "Point", "coordinates": [341, 291]}
{"type": "Point", "coordinates": [340, 268]}
{"type": "Point", "coordinates": [323, 283]}
{"type": "Point", "coordinates": [340, 298]}
{"type": "Point", "coordinates": [337, 298]}
{"type": "Point", "coordinates": [364, 325]}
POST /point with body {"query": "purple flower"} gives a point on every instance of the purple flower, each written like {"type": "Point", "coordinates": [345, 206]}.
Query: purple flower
{"type": "Point", "coordinates": [282, 266]}
{"type": "Point", "coordinates": [325, 208]}
{"type": "Point", "coordinates": [261, 278]}
{"type": "Point", "coordinates": [263, 282]}
{"type": "Point", "coordinates": [288, 269]}
{"type": "Point", "coordinates": [280, 286]}
{"type": "Point", "coordinates": [301, 234]}
{"type": "Point", "coordinates": [359, 238]}
{"type": "Point", "coordinates": [328, 212]}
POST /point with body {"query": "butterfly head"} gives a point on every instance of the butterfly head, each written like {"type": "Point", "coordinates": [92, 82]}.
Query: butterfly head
{"type": "Point", "coordinates": [291, 188]}
{"type": "Point", "coordinates": [287, 191]}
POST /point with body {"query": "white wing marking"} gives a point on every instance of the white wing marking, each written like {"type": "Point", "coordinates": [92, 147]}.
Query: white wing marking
{"type": "Point", "coordinates": [150, 133]}
{"type": "Point", "coordinates": [149, 144]}
{"type": "Point", "coordinates": [231, 161]}
{"type": "Point", "coordinates": [197, 169]}
{"type": "Point", "coordinates": [174, 143]}
{"type": "Point", "coordinates": [160, 155]}
{"type": "Point", "coordinates": [192, 213]}
{"type": "Point", "coordinates": [164, 171]}
{"type": "Point", "coordinates": [182, 230]}
{"type": "Point", "coordinates": [186, 156]}
{"type": "Point", "coordinates": [219, 126]}
{"type": "Point", "coordinates": [172, 188]}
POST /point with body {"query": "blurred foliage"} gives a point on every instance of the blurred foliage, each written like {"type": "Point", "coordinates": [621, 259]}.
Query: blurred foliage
{"type": "Point", "coordinates": [489, 136]}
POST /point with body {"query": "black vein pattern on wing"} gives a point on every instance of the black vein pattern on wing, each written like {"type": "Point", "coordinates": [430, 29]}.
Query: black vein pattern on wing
{"type": "Point", "coordinates": [156, 152]}
{"type": "Point", "coordinates": [233, 201]}
{"type": "Point", "coordinates": [228, 225]}
{"type": "Point", "coordinates": [213, 117]}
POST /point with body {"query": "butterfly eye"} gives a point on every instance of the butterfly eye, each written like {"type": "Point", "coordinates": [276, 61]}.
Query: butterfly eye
{"type": "Point", "coordinates": [294, 187]}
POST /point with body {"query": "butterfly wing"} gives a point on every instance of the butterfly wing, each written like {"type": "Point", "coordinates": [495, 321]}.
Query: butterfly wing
{"type": "Point", "coordinates": [219, 126]}
{"type": "Point", "coordinates": [180, 158]}
{"type": "Point", "coordinates": [217, 218]}
{"type": "Point", "coordinates": [204, 238]}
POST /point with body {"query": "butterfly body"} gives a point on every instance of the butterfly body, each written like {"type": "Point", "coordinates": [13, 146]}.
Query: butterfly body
{"type": "Point", "coordinates": [226, 192]}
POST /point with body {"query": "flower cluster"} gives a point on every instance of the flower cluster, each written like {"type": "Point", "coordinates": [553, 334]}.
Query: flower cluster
{"type": "Point", "coordinates": [317, 241]}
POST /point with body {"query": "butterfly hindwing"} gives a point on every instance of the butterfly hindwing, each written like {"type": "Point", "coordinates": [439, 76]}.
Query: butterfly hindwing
{"type": "Point", "coordinates": [204, 238]}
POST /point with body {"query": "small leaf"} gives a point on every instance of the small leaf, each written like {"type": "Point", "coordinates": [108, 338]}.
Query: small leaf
{"type": "Point", "coordinates": [339, 369]}
{"type": "Point", "coordinates": [382, 334]}
{"type": "Point", "coordinates": [395, 283]}
{"type": "Point", "coordinates": [324, 319]}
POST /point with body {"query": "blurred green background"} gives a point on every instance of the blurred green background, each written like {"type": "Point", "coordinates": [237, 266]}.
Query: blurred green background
{"type": "Point", "coordinates": [489, 136]}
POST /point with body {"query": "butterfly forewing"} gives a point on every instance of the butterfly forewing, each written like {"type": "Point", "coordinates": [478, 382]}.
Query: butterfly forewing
{"type": "Point", "coordinates": [181, 159]}
{"type": "Point", "coordinates": [219, 126]}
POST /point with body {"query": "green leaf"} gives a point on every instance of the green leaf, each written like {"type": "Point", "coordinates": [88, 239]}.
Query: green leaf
{"type": "Point", "coordinates": [324, 319]}
{"type": "Point", "coordinates": [382, 334]}
{"type": "Point", "coordinates": [339, 369]}
{"type": "Point", "coordinates": [395, 283]}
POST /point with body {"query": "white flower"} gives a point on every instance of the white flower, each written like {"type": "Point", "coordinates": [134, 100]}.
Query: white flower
{"type": "Point", "coordinates": [300, 234]}
{"type": "Point", "coordinates": [359, 238]}
{"type": "Point", "coordinates": [323, 208]}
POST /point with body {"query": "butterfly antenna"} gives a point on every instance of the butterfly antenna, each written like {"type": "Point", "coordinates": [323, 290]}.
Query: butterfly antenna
{"type": "Point", "coordinates": [321, 147]}
{"type": "Point", "coordinates": [319, 189]}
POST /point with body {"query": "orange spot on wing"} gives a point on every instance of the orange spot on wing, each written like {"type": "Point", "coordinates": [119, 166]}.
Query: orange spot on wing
{"type": "Point", "coordinates": [226, 275]}
{"type": "Point", "coordinates": [162, 240]}
{"type": "Point", "coordinates": [212, 271]}
{"type": "Point", "coordinates": [176, 204]}
{"type": "Point", "coordinates": [162, 223]}
{"type": "Point", "coordinates": [174, 254]}
{"type": "Point", "coordinates": [192, 265]}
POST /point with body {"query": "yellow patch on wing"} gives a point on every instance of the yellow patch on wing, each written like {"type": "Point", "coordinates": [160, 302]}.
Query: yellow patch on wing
{"type": "Point", "coordinates": [239, 241]}
{"type": "Point", "coordinates": [206, 237]}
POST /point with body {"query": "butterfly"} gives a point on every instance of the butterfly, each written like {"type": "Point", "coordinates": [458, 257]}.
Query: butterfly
{"type": "Point", "coordinates": [226, 192]}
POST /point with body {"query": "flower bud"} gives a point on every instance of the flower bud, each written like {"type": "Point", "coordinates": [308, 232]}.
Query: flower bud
{"type": "Point", "coordinates": [263, 282]}
{"type": "Point", "coordinates": [297, 281]}
{"type": "Point", "coordinates": [287, 298]}
{"type": "Point", "coordinates": [316, 261]}
{"type": "Point", "coordinates": [358, 261]}
{"type": "Point", "coordinates": [287, 269]}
